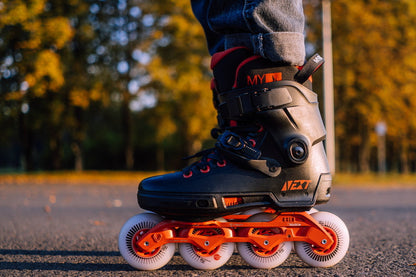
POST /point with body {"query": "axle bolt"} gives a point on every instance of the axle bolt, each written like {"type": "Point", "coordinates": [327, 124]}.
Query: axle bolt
{"type": "Point", "coordinates": [266, 242]}
{"type": "Point", "coordinates": [324, 241]}
{"type": "Point", "coordinates": [206, 243]}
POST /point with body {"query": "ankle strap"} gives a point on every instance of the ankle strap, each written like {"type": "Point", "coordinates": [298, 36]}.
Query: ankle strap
{"type": "Point", "coordinates": [238, 103]}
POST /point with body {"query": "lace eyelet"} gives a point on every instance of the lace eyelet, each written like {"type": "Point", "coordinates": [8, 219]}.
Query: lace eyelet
{"type": "Point", "coordinates": [222, 164]}
{"type": "Point", "coordinates": [188, 175]}
{"type": "Point", "coordinates": [261, 129]}
{"type": "Point", "coordinates": [205, 170]}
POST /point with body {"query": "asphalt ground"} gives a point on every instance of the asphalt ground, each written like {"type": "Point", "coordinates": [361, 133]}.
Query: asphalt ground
{"type": "Point", "coordinates": [71, 230]}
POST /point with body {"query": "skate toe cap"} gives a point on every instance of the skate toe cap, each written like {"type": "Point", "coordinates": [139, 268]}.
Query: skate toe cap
{"type": "Point", "coordinates": [160, 183]}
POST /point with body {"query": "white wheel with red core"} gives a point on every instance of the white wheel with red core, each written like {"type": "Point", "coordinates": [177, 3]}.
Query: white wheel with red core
{"type": "Point", "coordinates": [131, 232]}
{"type": "Point", "coordinates": [258, 257]}
{"type": "Point", "coordinates": [204, 260]}
{"type": "Point", "coordinates": [313, 210]}
{"type": "Point", "coordinates": [314, 256]}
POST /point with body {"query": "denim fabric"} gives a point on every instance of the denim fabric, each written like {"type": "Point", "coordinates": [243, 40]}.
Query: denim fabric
{"type": "Point", "coordinates": [270, 28]}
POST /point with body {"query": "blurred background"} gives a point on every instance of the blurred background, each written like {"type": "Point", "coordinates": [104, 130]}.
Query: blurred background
{"type": "Point", "coordinates": [124, 84]}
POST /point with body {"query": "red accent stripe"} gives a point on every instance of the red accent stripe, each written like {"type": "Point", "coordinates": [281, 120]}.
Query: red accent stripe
{"type": "Point", "coordinates": [213, 84]}
{"type": "Point", "coordinates": [233, 123]}
{"type": "Point", "coordinates": [246, 61]}
{"type": "Point", "coordinates": [217, 57]}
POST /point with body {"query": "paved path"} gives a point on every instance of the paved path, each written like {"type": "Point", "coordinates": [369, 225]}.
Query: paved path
{"type": "Point", "coordinates": [72, 230]}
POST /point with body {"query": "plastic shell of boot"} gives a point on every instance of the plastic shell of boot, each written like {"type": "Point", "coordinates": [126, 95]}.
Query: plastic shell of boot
{"type": "Point", "coordinates": [294, 139]}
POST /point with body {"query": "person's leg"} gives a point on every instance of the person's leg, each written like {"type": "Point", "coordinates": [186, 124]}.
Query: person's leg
{"type": "Point", "coordinates": [272, 29]}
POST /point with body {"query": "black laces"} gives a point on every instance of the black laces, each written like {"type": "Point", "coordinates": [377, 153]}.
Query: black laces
{"type": "Point", "coordinates": [212, 156]}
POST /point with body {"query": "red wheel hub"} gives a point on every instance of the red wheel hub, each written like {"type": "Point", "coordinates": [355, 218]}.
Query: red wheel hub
{"type": "Point", "coordinates": [202, 252]}
{"type": "Point", "coordinates": [320, 251]}
{"type": "Point", "coordinates": [137, 236]}
{"type": "Point", "coordinates": [263, 252]}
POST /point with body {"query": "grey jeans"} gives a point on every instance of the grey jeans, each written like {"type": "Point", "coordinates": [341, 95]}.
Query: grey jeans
{"type": "Point", "coordinates": [270, 28]}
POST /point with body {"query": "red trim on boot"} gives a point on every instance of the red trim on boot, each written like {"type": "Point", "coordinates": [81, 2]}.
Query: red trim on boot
{"type": "Point", "coordinates": [217, 57]}
{"type": "Point", "coordinates": [213, 84]}
{"type": "Point", "coordinates": [246, 61]}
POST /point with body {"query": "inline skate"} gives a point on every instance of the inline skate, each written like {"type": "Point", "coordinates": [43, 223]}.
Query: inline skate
{"type": "Point", "coordinates": [255, 188]}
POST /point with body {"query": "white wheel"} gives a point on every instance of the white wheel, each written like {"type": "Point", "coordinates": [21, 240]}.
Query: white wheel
{"type": "Point", "coordinates": [339, 232]}
{"type": "Point", "coordinates": [313, 210]}
{"type": "Point", "coordinates": [200, 259]}
{"type": "Point", "coordinates": [259, 258]}
{"type": "Point", "coordinates": [131, 231]}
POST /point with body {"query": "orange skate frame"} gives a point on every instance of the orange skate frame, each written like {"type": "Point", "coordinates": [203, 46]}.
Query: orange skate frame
{"type": "Point", "coordinates": [207, 236]}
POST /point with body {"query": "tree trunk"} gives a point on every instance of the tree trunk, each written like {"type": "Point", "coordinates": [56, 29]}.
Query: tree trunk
{"type": "Point", "coordinates": [404, 158]}
{"type": "Point", "coordinates": [127, 131]}
{"type": "Point", "coordinates": [78, 137]}
{"type": "Point", "coordinates": [160, 158]}
{"type": "Point", "coordinates": [26, 141]}
{"type": "Point", "coordinates": [77, 151]}
{"type": "Point", "coordinates": [364, 154]}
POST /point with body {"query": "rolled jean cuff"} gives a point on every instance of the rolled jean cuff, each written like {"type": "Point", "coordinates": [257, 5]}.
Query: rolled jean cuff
{"type": "Point", "coordinates": [287, 47]}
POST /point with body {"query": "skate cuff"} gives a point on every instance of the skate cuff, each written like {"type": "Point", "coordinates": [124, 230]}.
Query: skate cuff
{"type": "Point", "coordinates": [236, 103]}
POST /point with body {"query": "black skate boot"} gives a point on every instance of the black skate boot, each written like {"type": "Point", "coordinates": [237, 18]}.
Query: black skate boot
{"type": "Point", "coordinates": [269, 150]}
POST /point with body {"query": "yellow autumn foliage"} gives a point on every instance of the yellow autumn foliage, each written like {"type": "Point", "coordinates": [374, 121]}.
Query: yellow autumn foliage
{"type": "Point", "coordinates": [374, 46]}
{"type": "Point", "coordinates": [34, 40]}
{"type": "Point", "coordinates": [57, 31]}
{"type": "Point", "coordinates": [79, 98]}
{"type": "Point", "coordinates": [47, 74]}
{"type": "Point", "coordinates": [18, 11]}
{"type": "Point", "coordinates": [181, 76]}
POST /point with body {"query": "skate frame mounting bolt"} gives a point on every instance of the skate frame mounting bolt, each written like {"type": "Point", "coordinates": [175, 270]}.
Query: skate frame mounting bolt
{"type": "Point", "coordinates": [324, 241]}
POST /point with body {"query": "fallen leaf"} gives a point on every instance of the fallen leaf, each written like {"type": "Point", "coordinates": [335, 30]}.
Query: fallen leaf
{"type": "Point", "coordinates": [47, 209]}
{"type": "Point", "coordinates": [98, 223]}
{"type": "Point", "coordinates": [117, 203]}
{"type": "Point", "coordinates": [52, 199]}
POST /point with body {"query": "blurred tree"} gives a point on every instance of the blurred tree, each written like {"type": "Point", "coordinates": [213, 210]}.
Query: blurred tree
{"type": "Point", "coordinates": [374, 49]}
{"type": "Point", "coordinates": [373, 45]}
{"type": "Point", "coordinates": [179, 72]}
{"type": "Point", "coordinates": [60, 58]}
{"type": "Point", "coordinates": [31, 67]}
{"type": "Point", "coordinates": [118, 31]}
{"type": "Point", "coordinates": [131, 78]}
